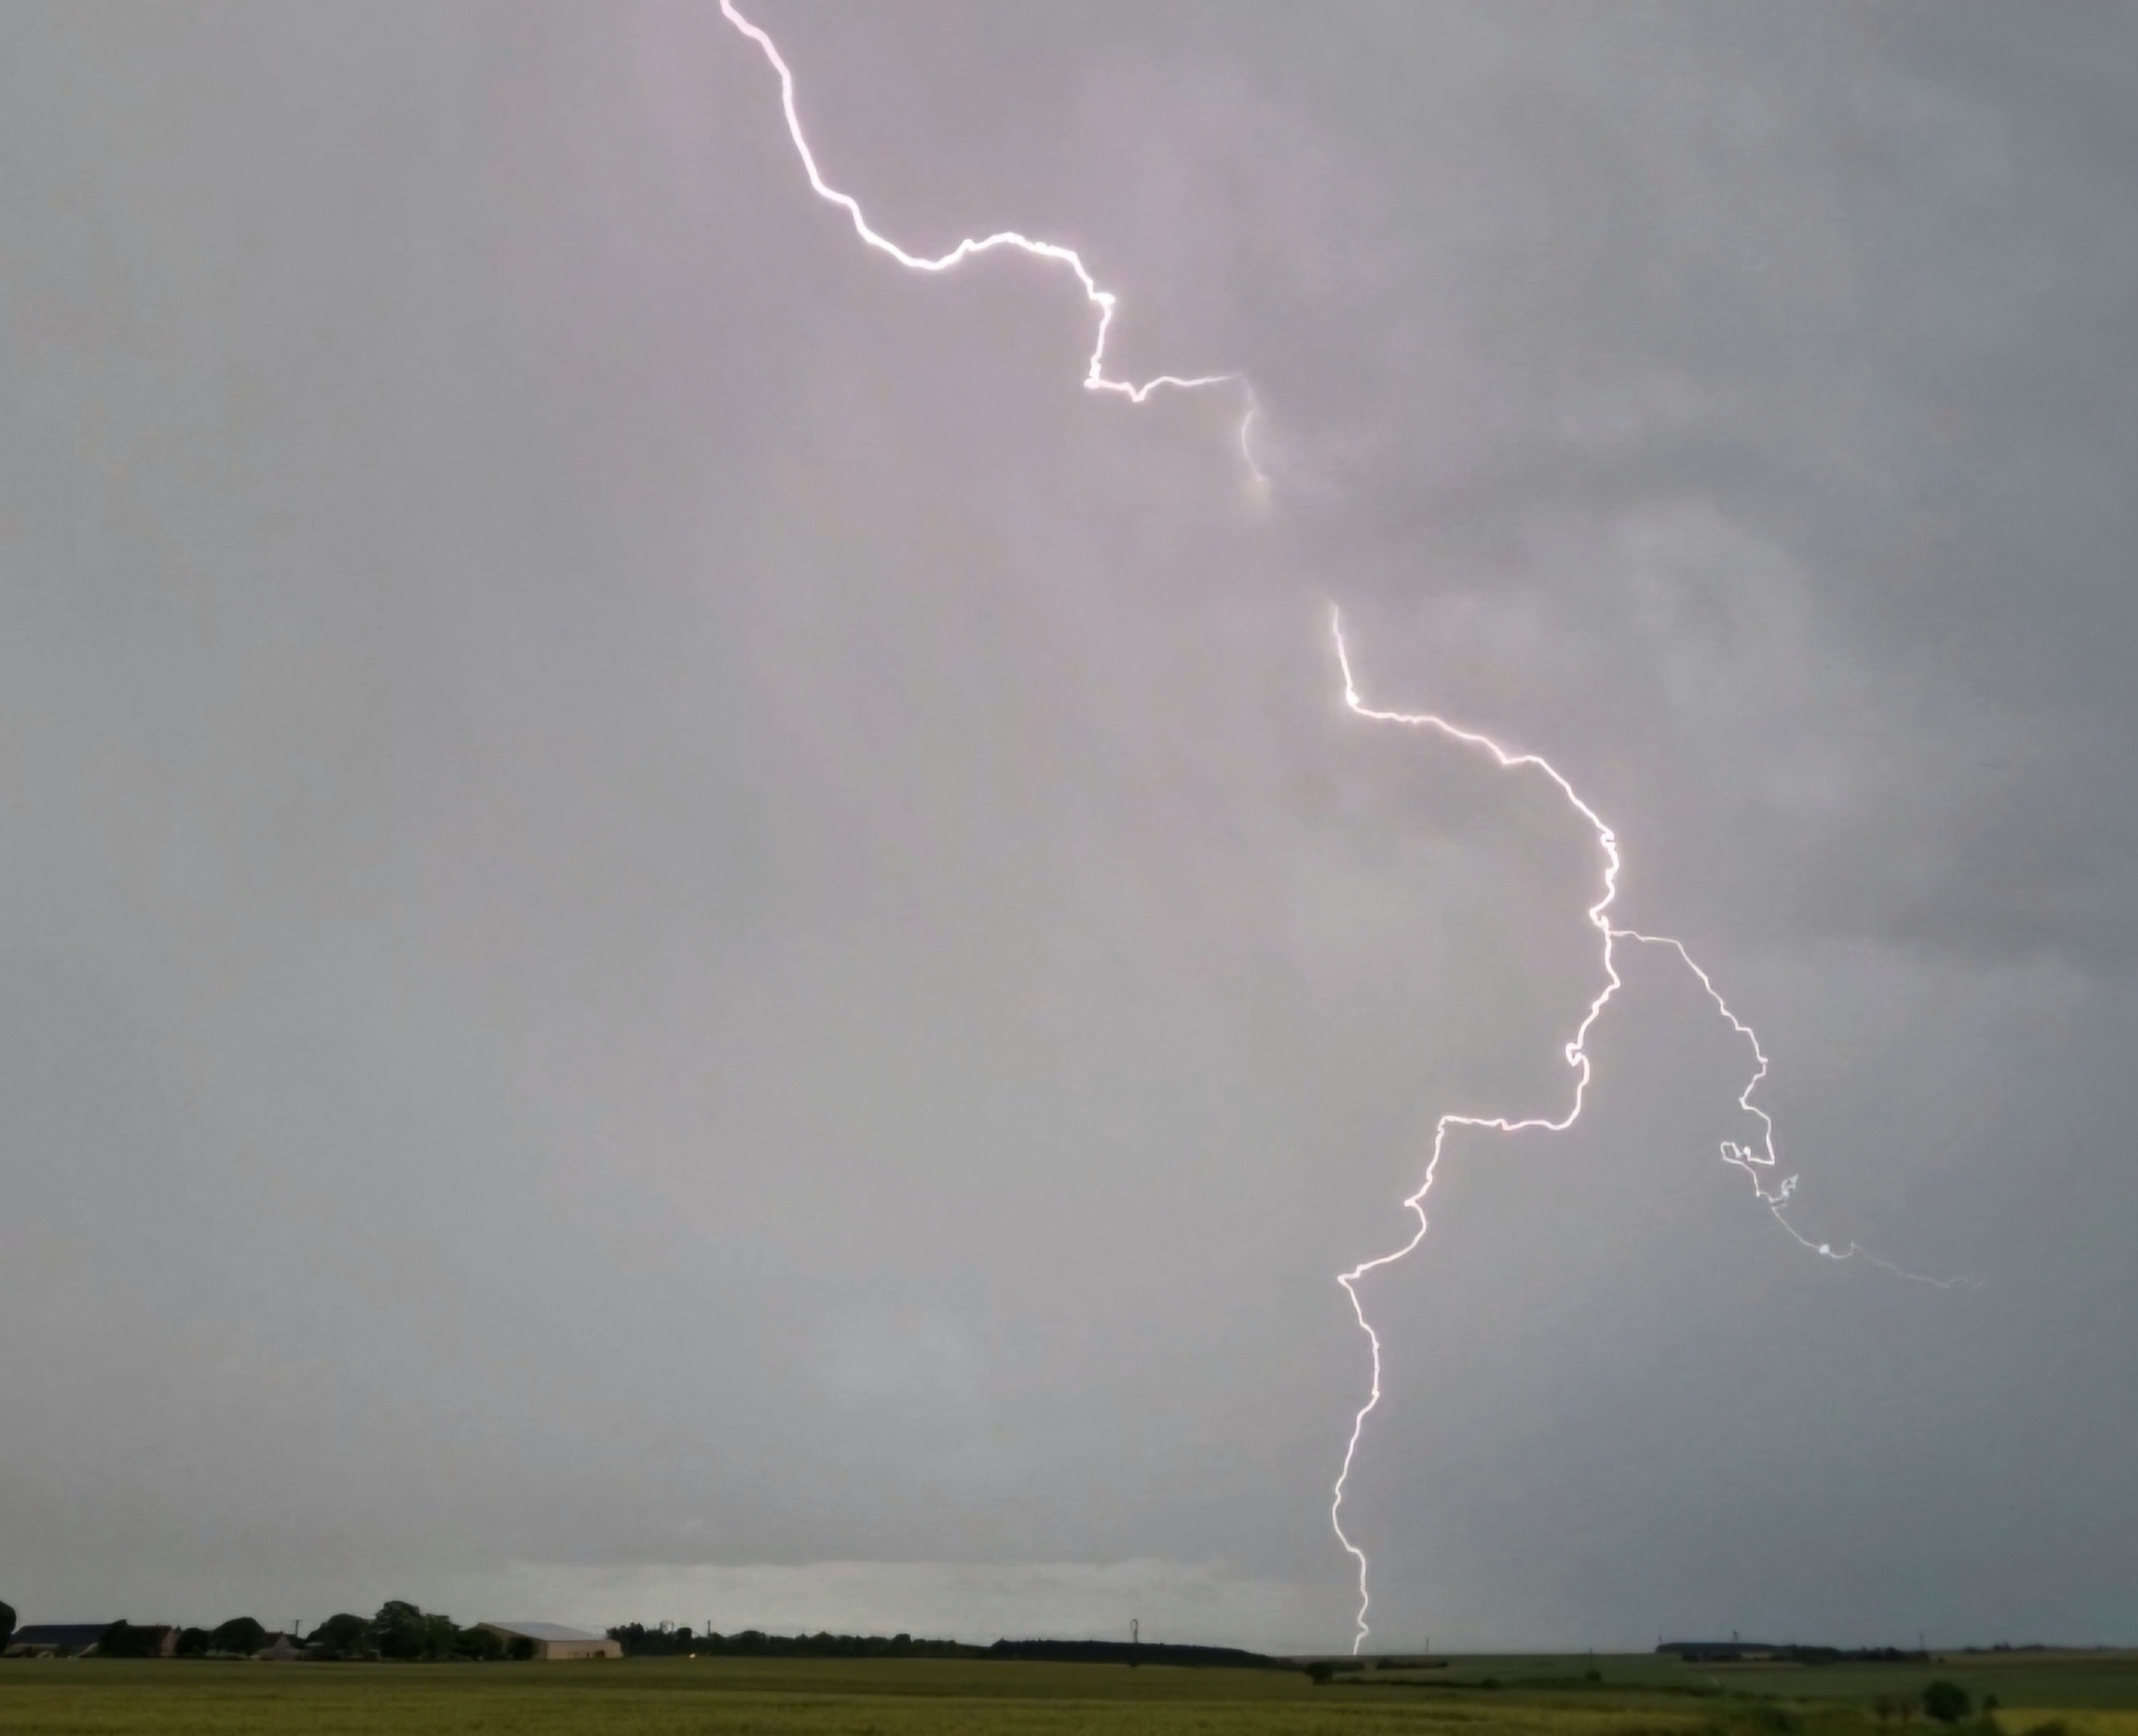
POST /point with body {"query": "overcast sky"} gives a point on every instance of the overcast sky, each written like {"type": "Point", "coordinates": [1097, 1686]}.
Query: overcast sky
{"type": "Point", "coordinates": [684, 940]}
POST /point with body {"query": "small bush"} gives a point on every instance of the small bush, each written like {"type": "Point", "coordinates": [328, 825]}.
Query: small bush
{"type": "Point", "coordinates": [1947, 1702]}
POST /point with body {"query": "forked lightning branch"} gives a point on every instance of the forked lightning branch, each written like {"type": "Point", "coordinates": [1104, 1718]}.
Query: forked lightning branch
{"type": "Point", "coordinates": [1757, 1160]}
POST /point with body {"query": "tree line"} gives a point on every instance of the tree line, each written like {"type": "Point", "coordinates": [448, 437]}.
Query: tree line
{"type": "Point", "coordinates": [403, 1632]}
{"type": "Point", "coordinates": [400, 1632]}
{"type": "Point", "coordinates": [639, 1641]}
{"type": "Point", "coordinates": [664, 1642]}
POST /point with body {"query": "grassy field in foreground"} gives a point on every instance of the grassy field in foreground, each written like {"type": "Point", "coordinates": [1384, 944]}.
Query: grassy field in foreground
{"type": "Point", "coordinates": [2052, 1682]}
{"type": "Point", "coordinates": [1533, 1696]}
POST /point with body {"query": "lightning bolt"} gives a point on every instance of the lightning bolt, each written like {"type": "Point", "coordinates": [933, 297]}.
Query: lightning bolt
{"type": "Point", "coordinates": [1757, 1160]}
{"type": "Point", "coordinates": [1102, 302]}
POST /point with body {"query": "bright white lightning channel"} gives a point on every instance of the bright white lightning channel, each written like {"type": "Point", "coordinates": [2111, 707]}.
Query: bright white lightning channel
{"type": "Point", "coordinates": [1096, 378]}
{"type": "Point", "coordinates": [1758, 1161]}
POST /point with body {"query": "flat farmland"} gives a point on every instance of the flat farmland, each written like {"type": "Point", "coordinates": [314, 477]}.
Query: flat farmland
{"type": "Point", "coordinates": [1520, 1696]}
{"type": "Point", "coordinates": [2055, 1683]}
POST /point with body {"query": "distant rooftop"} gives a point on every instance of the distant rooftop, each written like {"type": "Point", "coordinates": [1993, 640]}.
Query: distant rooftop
{"type": "Point", "coordinates": [542, 1630]}
{"type": "Point", "coordinates": [72, 1635]}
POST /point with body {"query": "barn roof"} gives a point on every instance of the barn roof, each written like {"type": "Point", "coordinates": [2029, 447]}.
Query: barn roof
{"type": "Point", "coordinates": [541, 1630]}
{"type": "Point", "coordinates": [72, 1635]}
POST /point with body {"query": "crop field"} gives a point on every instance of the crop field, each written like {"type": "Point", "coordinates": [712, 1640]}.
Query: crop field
{"type": "Point", "coordinates": [2094, 1695]}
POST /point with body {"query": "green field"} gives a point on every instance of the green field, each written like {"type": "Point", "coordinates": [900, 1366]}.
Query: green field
{"type": "Point", "coordinates": [2090, 1695]}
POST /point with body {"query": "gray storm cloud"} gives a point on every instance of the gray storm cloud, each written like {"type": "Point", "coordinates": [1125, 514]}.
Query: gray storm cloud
{"type": "Point", "coordinates": [679, 928]}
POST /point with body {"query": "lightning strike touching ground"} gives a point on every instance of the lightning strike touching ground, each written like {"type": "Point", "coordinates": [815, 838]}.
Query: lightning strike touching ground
{"type": "Point", "coordinates": [1758, 1161]}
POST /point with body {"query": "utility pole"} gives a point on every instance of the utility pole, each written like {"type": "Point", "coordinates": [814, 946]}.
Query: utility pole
{"type": "Point", "coordinates": [1135, 1631]}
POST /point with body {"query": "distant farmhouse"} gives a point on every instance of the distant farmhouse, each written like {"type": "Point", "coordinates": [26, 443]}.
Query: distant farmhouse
{"type": "Point", "coordinates": [552, 1644]}
{"type": "Point", "coordinates": [78, 1639]}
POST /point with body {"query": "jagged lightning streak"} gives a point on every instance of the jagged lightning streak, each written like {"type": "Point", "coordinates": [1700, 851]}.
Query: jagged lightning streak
{"type": "Point", "coordinates": [1576, 1052]}
{"type": "Point", "coordinates": [1096, 378]}
{"type": "Point", "coordinates": [1757, 1161]}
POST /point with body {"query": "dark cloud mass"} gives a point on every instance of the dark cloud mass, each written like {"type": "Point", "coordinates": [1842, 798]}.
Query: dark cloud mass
{"type": "Point", "coordinates": [682, 938]}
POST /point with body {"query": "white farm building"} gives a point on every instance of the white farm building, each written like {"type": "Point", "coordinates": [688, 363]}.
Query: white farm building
{"type": "Point", "coordinates": [551, 1643]}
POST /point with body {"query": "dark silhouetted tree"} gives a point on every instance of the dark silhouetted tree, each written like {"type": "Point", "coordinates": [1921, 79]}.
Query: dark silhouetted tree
{"type": "Point", "coordinates": [1947, 1702]}
{"type": "Point", "coordinates": [343, 1636]}
{"type": "Point", "coordinates": [240, 1634]}
{"type": "Point", "coordinates": [402, 1630]}
{"type": "Point", "coordinates": [123, 1640]}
